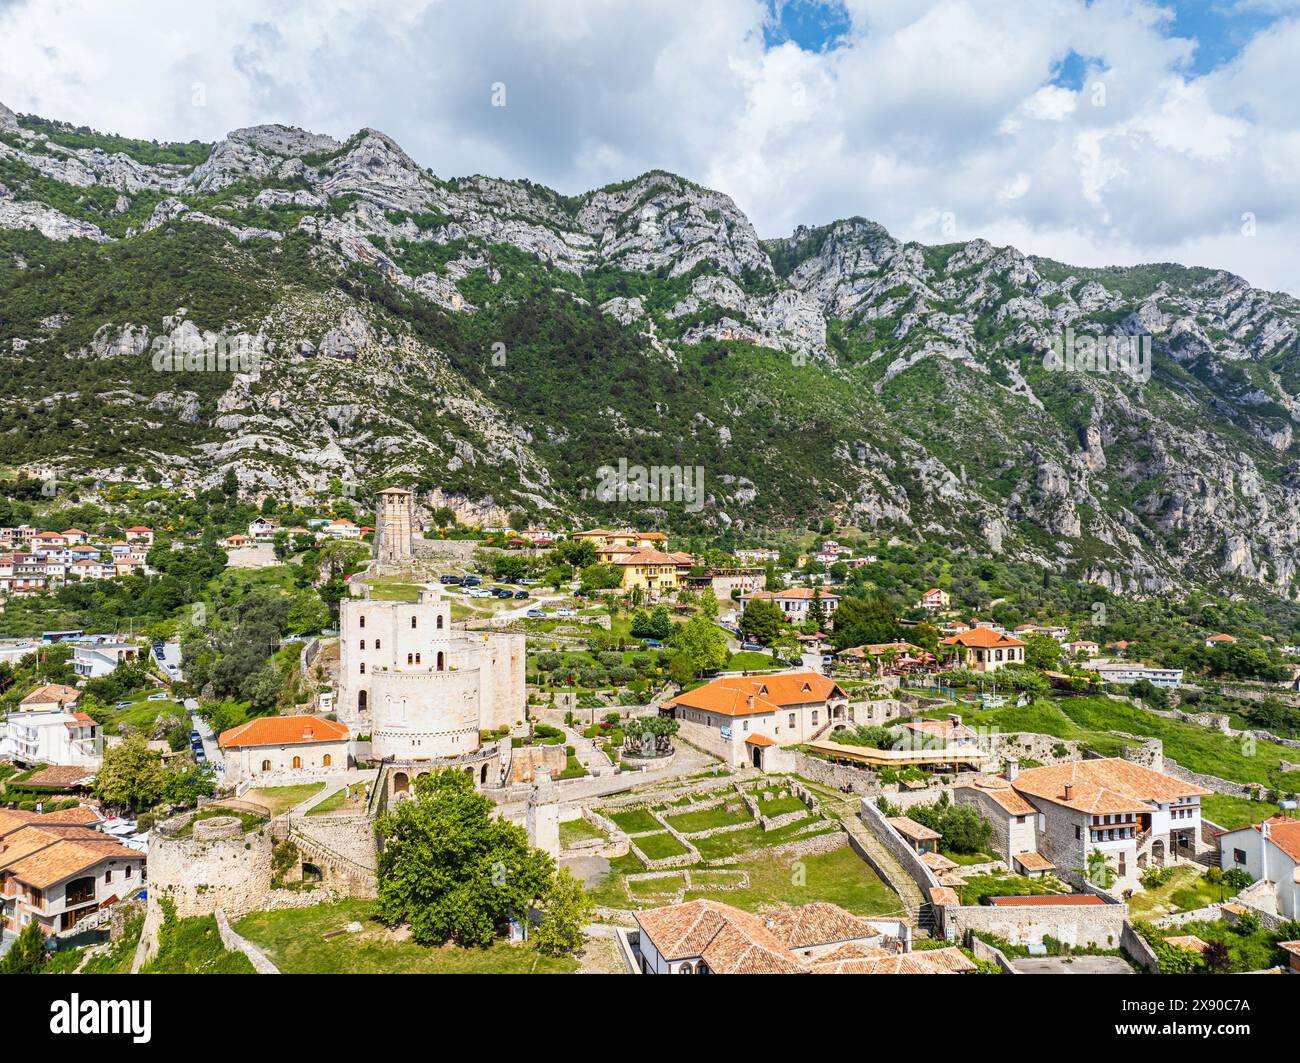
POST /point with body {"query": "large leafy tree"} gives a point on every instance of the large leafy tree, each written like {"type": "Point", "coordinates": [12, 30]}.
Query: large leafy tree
{"type": "Point", "coordinates": [701, 644]}
{"type": "Point", "coordinates": [451, 869]}
{"type": "Point", "coordinates": [566, 909]}
{"type": "Point", "coordinates": [131, 775]}
{"type": "Point", "coordinates": [762, 620]}
{"type": "Point", "coordinates": [861, 621]}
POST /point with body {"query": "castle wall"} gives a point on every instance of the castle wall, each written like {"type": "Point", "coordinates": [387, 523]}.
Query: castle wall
{"type": "Point", "coordinates": [218, 866]}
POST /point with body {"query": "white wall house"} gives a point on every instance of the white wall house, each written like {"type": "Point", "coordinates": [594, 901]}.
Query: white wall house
{"type": "Point", "coordinates": [52, 736]}
{"type": "Point", "coordinates": [1270, 852]}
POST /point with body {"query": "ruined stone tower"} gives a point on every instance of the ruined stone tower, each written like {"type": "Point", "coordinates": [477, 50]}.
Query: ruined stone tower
{"type": "Point", "coordinates": [394, 527]}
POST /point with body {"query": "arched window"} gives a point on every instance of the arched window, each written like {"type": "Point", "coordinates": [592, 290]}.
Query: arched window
{"type": "Point", "coordinates": [361, 621]}
{"type": "Point", "coordinates": [417, 658]}
{"type": "Point", "coordinates": [440, 661]}
{"type": "Point", "coordinates": [410, 658]}
{"type": "Point", "coordinates": [363, 644]}
{"type": "Point", "coordinates": [326, 761]}
{"type": "Point", "coordinates": [361, 701]}
{"type": "Point", "coordinates": [412, 621]}
{"type": "Point", "coordinates": [363, 667]}
{"type": "Point", "coordinates": [297, 762]}
{"type": "Point", "coordinates": [266, 765]}
{"type": "Point", "coordinates": [439, 624]}
{"type": "Point", "coordinates": [376, 644]}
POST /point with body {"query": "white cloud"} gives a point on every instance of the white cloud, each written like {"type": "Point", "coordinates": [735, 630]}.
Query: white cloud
{"type": "Point", "coordinates": [930, 108]}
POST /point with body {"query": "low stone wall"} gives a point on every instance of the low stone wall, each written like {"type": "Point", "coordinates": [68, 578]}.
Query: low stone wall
{"type": "Point", "coordinates": [984, 951]}
{"type": "Point", "coordinates": [351, 836]}
{"type": "Point", "coordinates": [234, 943]}
{"type": "Point", "coordinates": [1079, 925]}
{"type": "Point", "coordinates": [836, 776]}
{"type": "Point", "coordinates": [880, 827]}
{"type": "Point", "coordinates": [1136, 946]}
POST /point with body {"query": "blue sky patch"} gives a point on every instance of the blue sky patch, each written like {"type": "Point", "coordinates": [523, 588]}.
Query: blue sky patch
{"type": "Point", "coordinates": [814, 25]}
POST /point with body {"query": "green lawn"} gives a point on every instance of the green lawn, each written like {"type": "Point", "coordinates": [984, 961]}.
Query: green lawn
{"type": "Point", "coordinates": [635, 821]}
{"type": "Point", "coordinates": [393, 590]}
{"type": "Point", "coordinates": [292, 939]}
{"type": "Point", "coordinates": [980, 886]}
{"type": "Point", "coordinates": [1234, 812]}
{"type": "Point", "coordinates": [749, 661]}
{"type": "Point", "coordinates": [779, 806]}
{"type": "Point", "coordinates": [839, 876]}
{"type": "Point", "coordinates": [709, 818]}
{"type": "Point", "coordinates": [142, 713]}
{"type": "Point", "coordinates": [1092, 720]}
{"type": "Point", "coordinates": [193, 946]}
{"type": "Point", "coordinates": [579, 830]}
{"type": "Point", "coordinates": [1185, 891]}
{"type": "Point", "coordinates": [247, 820]}
{"type": "Point", "coordinates": [282, 798]}
{"type": "Point", "coordinates": [338, 799]}
{"type": "Point", "coordinates": [738, 841]}
{"type": "Point", "coordinates": [659, 846]}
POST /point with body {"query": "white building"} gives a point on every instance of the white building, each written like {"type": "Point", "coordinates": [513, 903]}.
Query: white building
{"type": "Point", "coordinates": [52, 736]}
{"type": "Point", "coordinates": [796, 603]}
{"type": "Point", "coordinates": [1130, 673]}
{"type": "Point", "coordinates": [283, 747]}
{"type": "Point", "coordinates": [1270, 852]}
{"type": "Point", "coordinates": [95, 659]}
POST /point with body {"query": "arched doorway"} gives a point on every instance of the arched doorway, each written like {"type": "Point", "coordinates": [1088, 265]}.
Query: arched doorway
{"type": "Point", "coordinates": [363, 701]}
{"type": "Point", "coordinates": [326, 761]}
{"type": "Point", "coordinates": [1158, 852]}
{"type": "Point", "coordinates": [440, 661]}
{"type": "Point", "coordinates": [482, 776]}
{"type": "Point", "coordinates": [401, 783]}
{"type": "Point", "coordinates": [756, 754]}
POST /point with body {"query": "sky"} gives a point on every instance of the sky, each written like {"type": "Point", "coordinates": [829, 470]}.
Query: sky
{"type": "Point", "coordinates": [1097, 132]}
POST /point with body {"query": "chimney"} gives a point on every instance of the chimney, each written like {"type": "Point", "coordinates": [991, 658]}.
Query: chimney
{"type": "Point", "coordinates": [750, 701]}
{"type": "Point", "coordinates": [1012, 769]}
{"type": "Point", "coordinates": [954, 718]}
{"type": "Point", "coordinates": [1069, 790]}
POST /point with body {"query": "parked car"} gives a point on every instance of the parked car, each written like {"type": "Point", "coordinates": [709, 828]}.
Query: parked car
{"type": "Point", "coordinates": [450, 580]}
{"type": "Point", "coordinates": [565, 612]}
{"type": "Point", "coordinates": [752, 646]}
{"type": "Point", "coordinates": [472, 581]}
{"type": "Point", "coordinates": [521, 594]}
{"type": "Point", "coordinates": [122, 705]}
{"type": "Point", "coordinates": [502, 592]}
{"type": "Point", "coordinates": [652, 644]}
{"type": "Point", "coordinates": [158, 697]}
{"type": "Point", "coordinates": [196, 737]}
{"type": "Point", "coordinates": [535, 613]}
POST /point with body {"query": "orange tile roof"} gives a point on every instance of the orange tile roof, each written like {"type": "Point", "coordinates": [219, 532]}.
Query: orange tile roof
{"type": "Point", "coordinates": [795, 593]}
{"type": "Point", "coordinates": [732, 941]}
{"type": "Point", "coordinates": [79, 815]}
{"type": "Point", "coordinates": [1102, 787]}
{"type": "Point", "coordinates": [66, 857]}
{"type": "Point", "coordinates": [282, 731]}
{"type": "Point", "coordinates": [12, 819]}
{"type": "Point", "coordinates": [52, 692]}
{"type": "Point", "coordinates": [941, 728]}
{"type": "Point", "coordinates": [1000, 791]}
{"type": "Point", "coordinates": [1282, 832]}
{"type": "Point", "coordinates": [1221, 638]}
{"type": "Point", "coordinates": [759, 740]}
{"type": "Point", "coordinates": [909, 828]}
{"type": "Point", "coordinates": [1034, 861]}
{"type": "Point", "coordinates": [949, 960]}
{"type": "Point", "coordinates": [1190, 942]}
{"type": "Point", "coordinates": [731, 695]}
{"type": "Point", "coordinates": [646, 557]}
{"type": "Point", "coordinates": [982, 638]}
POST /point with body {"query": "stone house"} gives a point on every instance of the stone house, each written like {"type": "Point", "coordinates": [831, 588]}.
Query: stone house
{"type": "Point", "coordinates": [283, 745]}
{"type": "Point", "coordinates": [741, 718]}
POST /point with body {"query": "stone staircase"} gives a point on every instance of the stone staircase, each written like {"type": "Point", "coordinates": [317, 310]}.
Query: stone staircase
{"type": "Point", "coordinates": [337, 869]}
{"type": "Point", "coordinates": [895, 876]}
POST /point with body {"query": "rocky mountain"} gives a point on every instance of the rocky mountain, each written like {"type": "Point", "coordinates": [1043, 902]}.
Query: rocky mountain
{"type": "Point", "coordinates": [303, 311]}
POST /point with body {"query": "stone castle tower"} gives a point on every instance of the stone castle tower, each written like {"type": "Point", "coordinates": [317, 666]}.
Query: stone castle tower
{"type": "Point", "coordinates": [394, 527]}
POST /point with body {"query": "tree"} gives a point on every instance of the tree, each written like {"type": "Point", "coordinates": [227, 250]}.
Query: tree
{"type": "Point", "coordinates": [862, 621]}
{"type": "Point", "coordinates": [1042, 651]}
{"type": "Point", "coordinates": [451, 869]}
{"type": "Point", "coordinates": [566, 910]}
{"type": "Point", "coordinates": [702, 644]}
{"type": "Point", "coordinates": [1216, 957]}
{"type": "Point", "coordinates": [131, 775]}
{"type": "Point", "coordinates": [708, 604]}
{"type": "Point", "coordinates": [1099, 871]}
{"type": "Point", "coordinates": [762, 620]}
{"type": "Point", "coordinates": [649, 736]}
{"type": "Point", "coordinates": [816, 612]}
{"type": "Point", "coordinates": [26, 955]}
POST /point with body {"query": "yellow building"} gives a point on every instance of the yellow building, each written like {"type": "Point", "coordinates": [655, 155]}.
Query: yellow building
{"type": "Point", "coordinates": [628, 538]}
{"type": "Point", "coordinates": [651, 571]}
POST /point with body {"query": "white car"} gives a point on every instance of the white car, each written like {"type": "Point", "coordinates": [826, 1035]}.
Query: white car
{"type": "Point", "coordinates": [157, 697]}
{"type": "Point", "coordinates": [478, 593]}
{"type": "Point", "coordinates": [565, 612]}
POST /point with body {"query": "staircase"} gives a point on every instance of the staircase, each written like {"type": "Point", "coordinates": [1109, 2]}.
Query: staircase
{"type": "Point", "coordinates": [337, 869]}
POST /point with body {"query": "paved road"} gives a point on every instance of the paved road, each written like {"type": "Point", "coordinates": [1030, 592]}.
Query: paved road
{"type": "Point", "coordinates": [171, 654]}
{"type": "Point", "coordinates": [206, 733]}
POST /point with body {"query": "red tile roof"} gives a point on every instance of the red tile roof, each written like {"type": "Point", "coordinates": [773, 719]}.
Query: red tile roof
{"type": "Point", "coordinates": [1102, 787]}
{"type": "Point", "coordinates": [750, 695]}
{"type": "Point", "coordinates": [1046, 900]}
{"type": "Point", "coordinates": [282, 731]}
{"type": "Point", "coordinates": [982, 638]}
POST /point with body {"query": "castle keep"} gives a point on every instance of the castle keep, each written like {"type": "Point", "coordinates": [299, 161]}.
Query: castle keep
{"type": "Point", "coordinates": [423, 691]}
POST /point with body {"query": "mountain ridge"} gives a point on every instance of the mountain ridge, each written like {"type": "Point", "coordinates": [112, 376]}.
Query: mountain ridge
{"type": "Point", "coordinates": [834, 373]}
